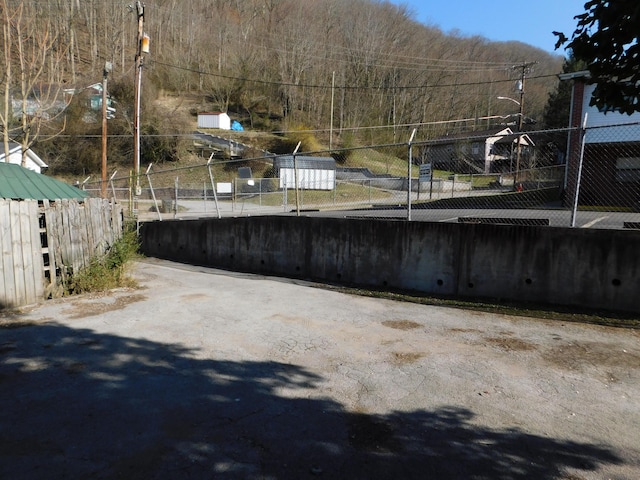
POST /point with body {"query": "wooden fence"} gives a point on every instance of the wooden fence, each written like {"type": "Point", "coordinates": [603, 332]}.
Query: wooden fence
{"type": "Point", "coordinates": [44, 243]}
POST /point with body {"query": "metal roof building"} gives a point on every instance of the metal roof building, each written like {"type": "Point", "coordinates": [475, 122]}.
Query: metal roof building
{"type": "Point", "coordinates": [18, 183]}
{"type": "Point", "coordinates": [313, 173]}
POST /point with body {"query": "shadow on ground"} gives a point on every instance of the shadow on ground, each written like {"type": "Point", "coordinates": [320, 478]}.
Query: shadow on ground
{"type": "Point", "coordinates": [77, 404]}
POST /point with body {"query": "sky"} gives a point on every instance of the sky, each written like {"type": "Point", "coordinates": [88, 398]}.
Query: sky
{"type": "Point", "coordinates": [528, 21]}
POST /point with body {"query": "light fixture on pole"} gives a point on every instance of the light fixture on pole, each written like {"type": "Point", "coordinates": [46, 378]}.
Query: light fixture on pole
{"type": "Point", "coordinates": [107, 69]}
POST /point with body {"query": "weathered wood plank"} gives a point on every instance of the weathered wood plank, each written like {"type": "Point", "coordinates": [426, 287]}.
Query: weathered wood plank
{"type": "Point", "coordinates": [26, 247]}
{"type": "Point", "coordinates": [16, 253]}
{"type": "Point", "coordinates": [8, 291]}
{"type": "Point", "coordinates": [37, 261]}
{"type": "Point", "coordinates": [52, 283]}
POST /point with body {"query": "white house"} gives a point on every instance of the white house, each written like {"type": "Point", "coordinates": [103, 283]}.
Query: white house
{"type": "Point", "coordinates": [34, 162]}
{"type": "Point", "coordinates": [214, 120]}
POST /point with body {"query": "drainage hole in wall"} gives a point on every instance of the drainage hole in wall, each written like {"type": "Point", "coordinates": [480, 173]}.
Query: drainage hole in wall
{"type": "Point", "coordinates": [339, 276]}
{"type": "Point", "coordinates": [470, 284]}
{"type": "Point", "coordinates": [528, 281]}
{"type": "Point", "coordinates": [440, 282]}
{"type": "Point", "coordinates": [297, 269]}
{"type": "Point", "coordinates": [384, 283]}
{"type": "Point", "coordinates": [262, 262]}
{"type": "Point", "coordinates": [616, 282]}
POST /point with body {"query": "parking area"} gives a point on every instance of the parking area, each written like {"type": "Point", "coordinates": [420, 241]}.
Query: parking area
{"type": "Point", "coordinates": [201, 373]}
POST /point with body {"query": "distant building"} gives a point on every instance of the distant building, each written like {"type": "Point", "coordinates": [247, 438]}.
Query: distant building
{"type": "Point", "coordinates": [18, 183]}
{"type": "Point", "coordinates": [611, 163]}
{"type": "Point", "coordinates": [95, 100]}
{"type": "Point", "coordinates": [214, 120]}
{"type": "Point", "coordinates": [487, 151]}
{"type": "Point", "coordinates": [313, 173]}
{"type": "Point", "coordinates": [43, 101]}
{"type": "Point", "coordinates": [33, 161]}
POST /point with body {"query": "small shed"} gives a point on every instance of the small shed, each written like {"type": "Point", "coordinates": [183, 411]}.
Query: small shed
{"type": "Point", "coordinates": [34, 162]}
{"type": "Point", "coordinates": [314, 173]}
{"type": "Point", "coordinates": [214, 120]}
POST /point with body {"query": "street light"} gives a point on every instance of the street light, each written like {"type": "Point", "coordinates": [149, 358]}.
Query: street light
{"type": "Point", "coordinates": [511, 99]}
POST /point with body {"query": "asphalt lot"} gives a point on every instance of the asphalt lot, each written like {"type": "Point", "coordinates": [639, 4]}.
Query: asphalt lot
{"type": "Point", "coordinates": [555, 216]}
{"type": "Point", "coordinates": [201, 373]}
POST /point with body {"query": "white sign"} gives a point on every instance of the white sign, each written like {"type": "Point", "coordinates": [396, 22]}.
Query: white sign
{"type": "Point", "coordinates": [425, 172]}
{"type": "Point", "coordinates": [224, 187]}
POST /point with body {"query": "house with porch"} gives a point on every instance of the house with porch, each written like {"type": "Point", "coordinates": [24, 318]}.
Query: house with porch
{"type": "Point", "coordinates": [485, 152]}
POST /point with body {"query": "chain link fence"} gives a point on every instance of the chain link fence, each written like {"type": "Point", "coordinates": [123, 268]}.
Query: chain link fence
{"type": "Point", "coordinates": [581, 177]}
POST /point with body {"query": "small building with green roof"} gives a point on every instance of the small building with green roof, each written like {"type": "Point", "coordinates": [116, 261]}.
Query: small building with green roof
{"type": "Point", "coordinates": [19, 183]}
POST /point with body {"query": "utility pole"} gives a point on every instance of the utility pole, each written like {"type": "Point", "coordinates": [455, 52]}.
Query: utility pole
{"type": "Point", "coordinates": [107, 68]}
{"type": "Point", "coordinates": [524, 69]}
{"type": "Point", "coordinates": [136, 113]}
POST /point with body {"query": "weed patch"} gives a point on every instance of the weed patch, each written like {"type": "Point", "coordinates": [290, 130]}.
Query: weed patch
{"type": "Point", "coordinates": [109, 270]}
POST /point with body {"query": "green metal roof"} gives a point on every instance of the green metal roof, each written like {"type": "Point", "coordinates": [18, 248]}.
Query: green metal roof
{"type": "Point", "coordinates": [18, 183]}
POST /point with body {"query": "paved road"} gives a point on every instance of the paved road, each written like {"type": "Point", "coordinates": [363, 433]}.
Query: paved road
{"type": "Point", "coordinates": [556, 217]}
{"type": "Point", "coordinates": [206, 374]}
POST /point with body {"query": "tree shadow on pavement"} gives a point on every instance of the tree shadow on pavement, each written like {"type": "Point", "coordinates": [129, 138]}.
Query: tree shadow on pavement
{"type": "Point", "coordinates": [78, 404]}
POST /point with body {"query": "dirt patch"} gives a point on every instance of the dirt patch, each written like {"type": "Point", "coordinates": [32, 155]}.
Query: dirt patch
{"type": "Point", "coordinates": [464, 330]}
{"type": "Point", "coordinates": [194, 297]}
{"type": "Point", "coordinates": [403, 358]}
{"type": "Point", "coordinates": [401, 324]}
{"type": "Point", "coordinates": [83, 309]}
{"type": "Point", "coordinates": [12, 323]}
{"type": "Point", "coordinates": [574, 356]}
{"type": "Point", "coordinates": [510, 344]}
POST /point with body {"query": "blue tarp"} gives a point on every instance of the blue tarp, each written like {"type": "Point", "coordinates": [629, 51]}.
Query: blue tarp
{"type": "Point", "coordinates": [236, 126]}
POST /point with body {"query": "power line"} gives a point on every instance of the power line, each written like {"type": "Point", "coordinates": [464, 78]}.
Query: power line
{"type": "Point", "coordinates": [344, 87]}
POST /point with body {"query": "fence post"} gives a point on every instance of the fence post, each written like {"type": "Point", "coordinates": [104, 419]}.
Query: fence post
{"type": "Point", "coordinates": [413, 134]}
{"type": "Point", "coordinates": [113, 188]}
{"type": "Point", "coordinates": [213, 185]}
{"type": "Point", "coordinates": [175, 205]}
{"type": "Point", "coordinates": [574, 210]}
{"type": "Point", "coordinates": [335, 190]}
{"type": "Point", "coordinates": [153, 194]}
{"type": "Point", "coordinates": [295, 177]}
{"type": "Point", "coordinates": [285, 189]}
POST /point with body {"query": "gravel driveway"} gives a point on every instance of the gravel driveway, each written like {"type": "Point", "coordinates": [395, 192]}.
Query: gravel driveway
{"type": "Point", "coordinates": [204, 374]}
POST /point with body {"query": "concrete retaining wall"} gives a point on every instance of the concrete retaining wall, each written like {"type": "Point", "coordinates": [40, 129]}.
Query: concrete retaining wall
{"type": "Point", "coordinates": [587, 268]}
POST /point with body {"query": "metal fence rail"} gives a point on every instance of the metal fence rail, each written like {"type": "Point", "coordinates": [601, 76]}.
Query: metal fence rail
{"type": "Point", "coordinates": [581, 177]}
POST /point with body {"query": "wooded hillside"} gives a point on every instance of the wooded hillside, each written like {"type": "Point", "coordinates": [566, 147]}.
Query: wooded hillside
{"type": "Point", "coordinates": [291, 64]}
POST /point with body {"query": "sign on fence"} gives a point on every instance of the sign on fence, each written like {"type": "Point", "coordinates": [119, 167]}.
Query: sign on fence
{"type": "Point", "coordinates": [425, 172]}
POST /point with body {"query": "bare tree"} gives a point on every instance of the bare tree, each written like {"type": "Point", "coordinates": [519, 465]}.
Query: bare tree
{"type": "Point", "coordinates": [37, 56]}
